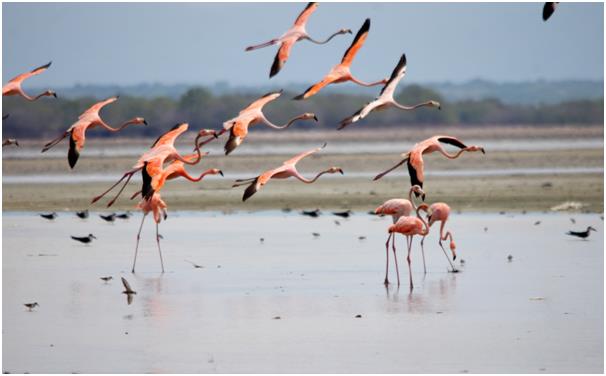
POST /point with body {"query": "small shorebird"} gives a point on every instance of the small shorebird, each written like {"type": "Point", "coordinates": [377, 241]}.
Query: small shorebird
{"type": "Point", "coordinates": [124, 215]}
{"type": "Point", "coordinates": [343, 214]}
{"type": "Point", "coordinates": [414, 158]}
{"type": "Point", "coordinates": [82, 214]}
{"type": "Point", "coordinates": [49, 216]}
{"type": "Point", "coordinates": [311, 213]}
{"type": "Point", "coordinates": [581, 234]}
{"type": "Point", "coordinates": [106, 279]}
{"type": "Point", "coordinates": [13, 87]}
{"type": "Point", "coordinates": [108, 218]}
{"type": "Point", "coordinates": [341, 72]}
{"type": "Point", "coordinates": [548, 10]}
{"type": "Point", "coordinates": [84, 239]}
{"type": "Point", "coordinates": [286, 170]}
{"type": "Point", "coordinates": [31, 306]}
{"type": "Point", "coordinates": [195, 265]}
{"type": "Point", "coordinates": [10, 141]}
{"type": "Point", "coordinates": [296, 33]}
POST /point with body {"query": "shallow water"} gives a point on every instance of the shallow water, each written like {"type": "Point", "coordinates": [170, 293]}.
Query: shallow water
{"type": "Point", "coordinates": [542, 312]}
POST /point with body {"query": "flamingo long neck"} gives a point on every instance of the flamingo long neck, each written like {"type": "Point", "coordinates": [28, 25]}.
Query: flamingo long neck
{"type": "Point", "coordinates": [304, 180]}
{"type": "Point", "coordinates": [272, 125]}
{"type": "Point", "coordinates": [450, 156]}
{"type": "Point", "coordinates": [426, 230]}
{"type": "Point", "coordinates": [410, 108]}
{"type": "Point", "coordinates": [323, 42]}
{"type": "Point", "coordinates": [196, 149]}
{"type": "Point", "coordinates": [367, 83]}
{"type": "Point", "coordinates": [124, 125]}
{"type": "Point", "coordinates": [191, 178]}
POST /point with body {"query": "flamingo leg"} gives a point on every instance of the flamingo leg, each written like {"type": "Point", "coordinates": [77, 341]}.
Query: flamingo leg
{"type": "Point", "coordinates": [447, 258]}
{"type": "Point", "coordinates": [409, 241]}
{"type": "Point", "coordinates": [137, 246]}
{"type": "Point", "coordinates": [395, 258]}
{"type": "Point", "coordinates": [120, 191]}
{"type": "Point", "coordinates": [129, 173]}
{"type": "Point", "coordinates": [423, 253]}
{"type": "Point", "coordinates": [387, 262]}
{"type": "Point", "coordinates": [54, 142]}
{"type": "Point", "coordinates": [271, 42]}
{"type": "Point", "coordinates": [159, 250]}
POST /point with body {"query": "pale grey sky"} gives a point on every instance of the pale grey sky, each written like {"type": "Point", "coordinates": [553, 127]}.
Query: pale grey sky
{"type": "Point", "coordinates": [191, 43]}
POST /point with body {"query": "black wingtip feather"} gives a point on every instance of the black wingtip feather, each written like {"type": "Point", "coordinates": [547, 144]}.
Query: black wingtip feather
{"type": "Point", "coordinates": [251, 190]}
{"type": "Point", "coordinates": [72, 153]}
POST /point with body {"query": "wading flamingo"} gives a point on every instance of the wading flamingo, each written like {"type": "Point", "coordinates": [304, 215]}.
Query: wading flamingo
{"type": "Point", "coordinates": [296, 33]}
{"type": "Point", "coordinates": [440, 211]}
{"type": "Point", "coordinates": [385, 98]}
{"type": "Point", "coordinates": [397, 208]}
{"type": "Point", "coordinates": [548, 10]}
{"type": "Point", "coordinates": [87, 120]}
{"type": "Point", "coordinates": [287, 170]}
{"type": "Point", "coordinates": [253, 114]}
{"type": "Point", "coordinates": [414, 158]}
{"type": "Point", "coordinates": [162, 150]}
{"type": "Point", "coordinates": [409, 226]}
{"type": "Point", "coordinates": [157, 206]}
{"type": "Point", "coordinates": [341, 72]}
{"type": "Point", "coordinates": [13, 87]}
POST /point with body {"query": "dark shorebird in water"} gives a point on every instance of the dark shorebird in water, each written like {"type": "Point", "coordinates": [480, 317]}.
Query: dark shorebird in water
{"type": "Point", "coordinates": [128, 291]}
{"type": "Point", "coordinates": [311, 213]}
{"type": "Point", "coordinates": [344, 214]}
{"type": "Point", "coordinates": [108, 218]}
{"type": "Point", "coordinates": [316, 234]}
{"type": "Point", "coordinates": [509, 258]}
{"type": "Point", "coordinates": [106, 279]}
{"type": "Point", "coordinates": [124, 215]}
{"type": "Point", "coordinates": [581, 234]}
{"type": "Point", "coordinates": [49, 216]}
{"type": "Point", "coordinates": [195, 265]}
{"type": "Point", "coordinates": [82, 214]}
{"type": "Point", "coordinates": [31, 306]}
{"type": "Point", "coordinates": [10, 141]}
{"type": "Point", "coordinates": [84, 239]}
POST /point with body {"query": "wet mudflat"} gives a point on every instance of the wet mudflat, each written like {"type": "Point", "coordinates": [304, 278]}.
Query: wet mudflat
{"type": "Point", "coordinates": [289, 303]}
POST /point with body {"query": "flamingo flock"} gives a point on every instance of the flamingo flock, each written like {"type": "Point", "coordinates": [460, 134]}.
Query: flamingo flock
{"type": "Point", "coordinates": [163, 162]}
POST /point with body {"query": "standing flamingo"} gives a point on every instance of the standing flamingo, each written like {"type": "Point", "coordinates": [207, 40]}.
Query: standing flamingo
{"type": "Point", "coordinates": [13, 87]}
{"type": "Point", "coordinates": [87, 120]}
{"type": "Point", "coordinates": [253, 114]}
{"type": "Point", "coordinates": [296, 33]}
{"type": "Point", "coordinates": [440, 211]}
{"type": "Point", "coordinates": [341, 72]}
{"type": "Point", "coordinates": [162, 150]}
{"type": "Point", "coordinates": [385, 98]}
{"type": "Point", "coordinates": [414, 158]}
{"type": "Point", "coordinates": [409, 226]}
{"type": "Point", "coordinates": [156, 205]}
{"type": "Point", "coordinates": [397, 208]}
{"type": "Point", "coordinates": [288, 169]}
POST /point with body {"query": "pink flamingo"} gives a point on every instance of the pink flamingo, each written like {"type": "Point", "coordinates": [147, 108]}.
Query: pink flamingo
{"type": "Point", "coordinates": [288, 169]}
{"type": "Point", "coordinates": [13, 87]}
{"type": "Point", "coordinates": [409, 226]}
{"type": "Point", "coordinates": [87, 120]}
{"type": "Point", "coordinates": [251, 115]}
{"type": "Point", "coordinates": [385, 98]}
{"type": "Point", "coordinates": [440, 211]}
{"type": "Point", "coordinates": [414, 158]}
{"type": "Point", "coordinates": [397, 208]}
{"type": "Point", "coordinates": [296, 33]}
{"type": "Point", "coordinates": [162, 150]}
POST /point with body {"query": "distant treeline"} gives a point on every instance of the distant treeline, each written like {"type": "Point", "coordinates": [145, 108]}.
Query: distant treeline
{"type": "Point", "coordinates": [199, 107]}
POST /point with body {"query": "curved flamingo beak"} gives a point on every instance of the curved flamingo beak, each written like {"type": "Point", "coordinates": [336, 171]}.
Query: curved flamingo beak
{"type": "Point", "coordinates": [144, 121]}
{"type": "Point", "coordinates": [221, 173]}
{"type": "Point", "coordinates": [315, 118]}
{"type": "Point", "coordinates": [341, 171]}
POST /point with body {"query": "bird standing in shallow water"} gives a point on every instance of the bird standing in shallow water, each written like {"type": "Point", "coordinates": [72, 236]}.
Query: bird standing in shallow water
{"type": "Point", "coordinates": [106, 279]}
{"type": "Point", "coordinates": [49, 216]}
{"type": "Point", "coordinates": [84, 239]}
{"type": "Point", "coordinates": [581, 234]}
{"type": "Point", "coordinates": [108, 218]}
{"type": "Point", "coordinates": [31, 306]}
{"type": "Point", "coordinates": [82, 214]}
{"type": "Point", "coordinates": [311, 213]}
{"type": "Point", "coordinates": [439, 212]}
{"type": "Point", "coordinates": [343, 214]}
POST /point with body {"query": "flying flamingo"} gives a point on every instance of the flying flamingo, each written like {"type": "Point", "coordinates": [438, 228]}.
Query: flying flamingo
{"type": "Point", "coordinates": [253, 114]}
{"type": "Point", "coordinates": [13, 87]}
{"type": "Point", "coordinates": [414, 158]}
{"type": "Point", "coordinates": [156, 205]}
{"type": "Point", "coordinates": [548, 10]}
{"type": "Point", "coordinates": [385, 98]}
{"type": "Point", "coordinates": [87, 120]}
{"type": "Point", "coordinates": [296, 33]}
{"type": "Point", "coordinates": [288, 169]}
{"type": "Point", "coordinates": [10, 141]}
{"type": "Point", "coordinates": [397, 208]}
{"type": "Point", "coordinates": [341, 72]}
{"type": "Point", "coordinates": [409, 226]}
{"type": "Point", "coordinates": [162, 150]}
{"type": "Point", "coordinates": [440, 211]}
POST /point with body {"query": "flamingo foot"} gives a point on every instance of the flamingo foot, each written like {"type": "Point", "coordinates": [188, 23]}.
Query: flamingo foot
{"type": "Point", "coordinates": [386, 282]}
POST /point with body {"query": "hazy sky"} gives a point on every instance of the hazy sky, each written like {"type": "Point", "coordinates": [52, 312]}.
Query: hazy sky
{"type": "Point", "coordinates": [190, 43]}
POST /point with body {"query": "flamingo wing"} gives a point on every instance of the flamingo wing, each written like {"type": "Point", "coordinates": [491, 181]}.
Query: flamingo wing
{"type": "Point", "coordinates": [33, 72]}
{"type": "Point", "coordinates": [259, 103]}
{"type": "Point", "coordinates": [260, 181]}
{"type": "Point", "coordinates": [361, 113]}
{"type": "Point", "coordinates": [415, 169]}
{"type": "Point", "coordinates": [304, 15]}
{"type": "Point", "coordinates": [281, 56]}
{"type": "Point", "coordinates": [237, 133]}
{"type": "Point", "coordinates": [95, 108]}
{"type": "Point", "coordinates": [77, 138]}
{"type": "Point", "coordinates": [357, 43]}
{"type": "Point", "coordinates": [398, 73]}
{"type": "Point", "coordinates": [294, 160]}
{"type": "Point", "coordinates": [548, 10]}
{"type": "Point", "coordinates": [315, 88]}
{"type": "Point", "coordinates": [169, 137]}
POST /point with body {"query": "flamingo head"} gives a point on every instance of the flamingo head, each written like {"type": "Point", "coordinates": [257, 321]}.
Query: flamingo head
{"type": "Point", "coordinates": [309, 115]}
{"type": "Point", "coordinates": [435, 104]}
{"type": "Point", "coordinates": [139, 120]}
{"type": "Point", "coordinates": [215, 171]}
{"type": "Point", "coordinates": [418, 191]}
{"type": "Point", "coordinates": [207, 132]}
{"type": "Point", "coordinates": [476, 148]}
{"type": "Point", "coordinates": [50, 93]}
{"type": "Point", "coordinates": [344, 31]}
{"type": "Point", "coordinates": [334, 170]}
